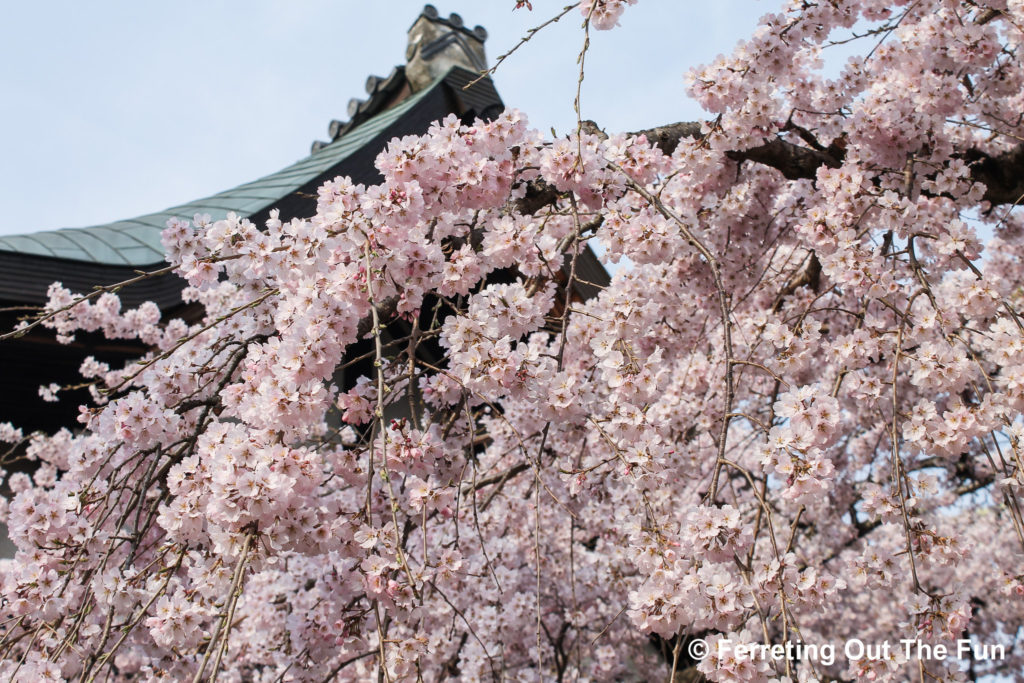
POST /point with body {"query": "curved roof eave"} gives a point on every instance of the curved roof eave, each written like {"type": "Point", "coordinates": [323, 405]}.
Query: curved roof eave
{"type": "Point", "coordinates": [136, 241]}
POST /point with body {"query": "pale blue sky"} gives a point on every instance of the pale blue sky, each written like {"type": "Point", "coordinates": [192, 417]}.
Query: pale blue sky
{"type": "Point", "coordinates": [118, 108]}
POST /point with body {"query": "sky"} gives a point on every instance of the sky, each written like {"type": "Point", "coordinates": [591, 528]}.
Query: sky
{"type": "Point", "coordinates": [120, 108]}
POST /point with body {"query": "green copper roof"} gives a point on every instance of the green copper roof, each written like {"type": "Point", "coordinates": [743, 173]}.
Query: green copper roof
{"type": "Point", "coordinates": [136, 242]}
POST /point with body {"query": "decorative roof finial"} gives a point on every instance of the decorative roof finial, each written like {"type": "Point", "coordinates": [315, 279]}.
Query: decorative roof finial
{"type": "Point", "coordinates": [436, 44]}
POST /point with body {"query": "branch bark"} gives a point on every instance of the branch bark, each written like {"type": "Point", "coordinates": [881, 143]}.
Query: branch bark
{"type": "Point", "coordinates": [793, 161]}
{"type": "Point", "coordinates": [1003, 174]}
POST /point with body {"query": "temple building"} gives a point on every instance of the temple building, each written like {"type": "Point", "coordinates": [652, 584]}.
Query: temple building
{"type": "Point", "coordinates": [442, 58]}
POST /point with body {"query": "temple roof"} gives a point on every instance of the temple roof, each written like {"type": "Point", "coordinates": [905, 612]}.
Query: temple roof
{"type": "Point", "coordinates": [441, 51]}
{"type": "Point", "coordinates": [136, 241]}
{"type": "Point", "coordinates": [105, 254]}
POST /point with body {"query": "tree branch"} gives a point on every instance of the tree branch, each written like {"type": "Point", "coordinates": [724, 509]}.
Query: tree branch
{"type": "Point", "coordinates": [793, 161]}
{"type": "Point", "coordinates": [1002, 174]}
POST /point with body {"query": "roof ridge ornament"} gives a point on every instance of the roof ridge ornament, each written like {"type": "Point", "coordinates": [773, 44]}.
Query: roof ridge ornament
{"type": "Point", "coordinates": [436, 44]}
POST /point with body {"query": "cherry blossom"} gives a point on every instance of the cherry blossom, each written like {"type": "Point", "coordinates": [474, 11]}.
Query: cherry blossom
{"type": "Point", "coordinates": [399, 443]}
